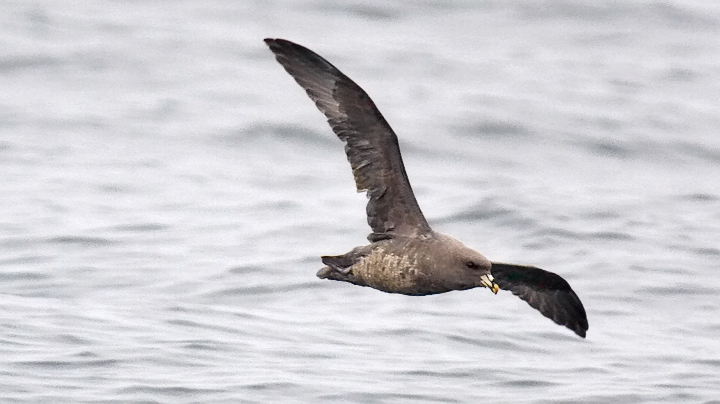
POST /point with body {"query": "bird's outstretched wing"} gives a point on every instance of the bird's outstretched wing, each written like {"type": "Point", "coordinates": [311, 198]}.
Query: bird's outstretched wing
{"type": "Point", "coordinates": [370, 144]}
{"type": "Point", "coordinates": [545, 291]}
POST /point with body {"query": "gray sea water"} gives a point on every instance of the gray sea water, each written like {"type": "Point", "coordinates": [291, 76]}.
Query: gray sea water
{"type": "Point", "coordinates": [166, 191]}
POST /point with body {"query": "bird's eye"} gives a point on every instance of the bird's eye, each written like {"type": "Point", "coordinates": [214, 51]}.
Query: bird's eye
{"type": "Point", "coordinates": [472, 265]}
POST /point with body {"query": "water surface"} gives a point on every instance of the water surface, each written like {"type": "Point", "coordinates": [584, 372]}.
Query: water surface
{"type": "Point", "coordinates": [167, 190]}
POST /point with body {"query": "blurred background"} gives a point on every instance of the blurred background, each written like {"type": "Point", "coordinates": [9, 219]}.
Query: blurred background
{"type": "Point", "coordinates": [166, 190]}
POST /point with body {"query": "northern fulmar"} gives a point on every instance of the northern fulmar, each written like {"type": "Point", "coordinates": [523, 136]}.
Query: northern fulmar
{"type": "Point", "coordinates": [405, 255]}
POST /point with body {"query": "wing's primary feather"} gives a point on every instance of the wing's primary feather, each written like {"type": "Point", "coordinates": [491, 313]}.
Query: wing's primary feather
{"type": "Point", "coordinates": [545, 291]}
{"type": "Point", "coordinates": [370, 144]}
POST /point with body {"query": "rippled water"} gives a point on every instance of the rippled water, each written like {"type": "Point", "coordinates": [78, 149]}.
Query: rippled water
{"type": "Point", "coordinates": [167, 189]}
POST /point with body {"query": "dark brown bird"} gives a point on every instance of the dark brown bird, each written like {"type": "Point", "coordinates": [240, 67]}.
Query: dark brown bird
{"type": "Point", "coordinates": [405, 255]}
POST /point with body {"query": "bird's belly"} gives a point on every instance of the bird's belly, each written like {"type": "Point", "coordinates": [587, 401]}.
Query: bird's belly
{"type": "Point", "coordinates": [391, 273]}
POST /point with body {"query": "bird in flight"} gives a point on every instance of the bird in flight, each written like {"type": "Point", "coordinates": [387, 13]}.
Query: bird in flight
{"type": "Point", "coordinates": [405, 255]}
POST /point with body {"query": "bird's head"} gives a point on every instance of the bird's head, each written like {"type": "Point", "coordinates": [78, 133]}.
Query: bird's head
{"type": "Point", "coordinates": [465, 268]}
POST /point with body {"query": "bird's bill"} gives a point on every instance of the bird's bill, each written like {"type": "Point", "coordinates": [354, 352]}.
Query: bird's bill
{"type": "Point", "coordinates": [487, 281]}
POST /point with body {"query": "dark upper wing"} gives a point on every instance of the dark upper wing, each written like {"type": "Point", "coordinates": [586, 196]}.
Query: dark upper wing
{"type": "Point", "coordinates": [371, 145]}
{"type": "Point", "coordinates": [545, 291]}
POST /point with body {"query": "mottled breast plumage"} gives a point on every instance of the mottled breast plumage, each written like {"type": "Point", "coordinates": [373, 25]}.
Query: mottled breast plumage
{"type": "Point", "coordinates": [390, 272]}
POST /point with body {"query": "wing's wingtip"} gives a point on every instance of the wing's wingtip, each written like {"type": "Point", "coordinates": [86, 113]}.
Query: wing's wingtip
{"type": "Point", "coordinates": [580, 328]}
{"type": "Point", "coordinates": [271, 42]}
{"type": "Point", "coordinates": [277, 42]}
